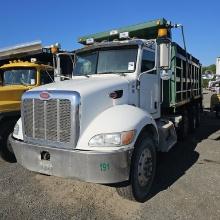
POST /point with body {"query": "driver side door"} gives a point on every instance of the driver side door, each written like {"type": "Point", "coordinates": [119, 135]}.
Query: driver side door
{"type": "Point", "coordinates": [149, 84]}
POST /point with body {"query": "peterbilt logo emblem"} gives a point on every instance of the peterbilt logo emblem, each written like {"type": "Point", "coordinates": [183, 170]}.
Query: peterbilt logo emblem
{"type": "Point", "coordinates": [44, 95]}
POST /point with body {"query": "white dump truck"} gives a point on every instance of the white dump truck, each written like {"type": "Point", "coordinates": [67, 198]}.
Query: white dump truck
{"type": "Point", "coordinates": [132, 92]}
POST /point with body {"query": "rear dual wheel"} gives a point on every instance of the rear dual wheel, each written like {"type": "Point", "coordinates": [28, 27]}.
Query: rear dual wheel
{"type": "Point", "coordinates": [198, 114]}
{"type": "Point", "coordinates": [184, 126]}
{"type": "Point", "coordinates": [217, 111]}
{"type": "Point", "coordinates": [192, 118]}
{"type": "Point", "coordinates": [217, 114]}
{"type": "Point", "coordinates": [195, 116]}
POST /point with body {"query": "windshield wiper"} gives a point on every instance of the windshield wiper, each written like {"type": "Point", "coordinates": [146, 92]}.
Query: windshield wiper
{"type": "Point", "coordinates": [62, 76]}
{"type": "Point", "coordinates": [119, 73]}
{"type": "Point", "coordinates": [86, 75]}
{"type": "Point", "coordinates": [24, 84]}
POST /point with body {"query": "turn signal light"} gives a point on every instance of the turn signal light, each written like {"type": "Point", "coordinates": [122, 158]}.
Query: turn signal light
{"type": "Point", "coordinates": [127, 137]}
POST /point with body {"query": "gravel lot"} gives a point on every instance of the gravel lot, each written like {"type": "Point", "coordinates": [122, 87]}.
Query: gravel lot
{"type": "Point", "coordinates": [187, 186]}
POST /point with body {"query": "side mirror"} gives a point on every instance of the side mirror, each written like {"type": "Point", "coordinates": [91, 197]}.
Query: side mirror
{"type": "Point", "coordinates": [165, 60]}
{"type": "Point", "coordinates": [65, 65]}
{"type": "Point", "coordinates": [165, 55]}
{"type": "Point", "coordinates": [57, 66]}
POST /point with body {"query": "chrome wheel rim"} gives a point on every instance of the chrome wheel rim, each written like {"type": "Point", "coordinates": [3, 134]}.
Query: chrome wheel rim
{"type": "Point", "coordinates": [145, 167]}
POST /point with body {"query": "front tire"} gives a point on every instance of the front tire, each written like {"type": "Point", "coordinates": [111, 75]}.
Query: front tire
{"type": "Point", "coordinates": [143, 168]}
{"type": "Point", "coordinates": [6, 149]}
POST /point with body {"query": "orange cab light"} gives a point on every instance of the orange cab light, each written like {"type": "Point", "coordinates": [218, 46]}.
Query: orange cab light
{"type": "Point", "coordinates": [162, 32]}
{"type": "Point", "coordinates": [54, 49]}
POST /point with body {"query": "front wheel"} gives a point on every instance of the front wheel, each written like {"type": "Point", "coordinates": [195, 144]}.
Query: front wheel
{"type": "Point", "coordinates": [143, 168]}
{"type": "Point", "coordinates": [6, 148]}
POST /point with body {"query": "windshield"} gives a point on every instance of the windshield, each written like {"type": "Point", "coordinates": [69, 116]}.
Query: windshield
{"type": "Point", "coordinates": [119, 60]}
{"type": "Point", "coordinates": [19, 76]}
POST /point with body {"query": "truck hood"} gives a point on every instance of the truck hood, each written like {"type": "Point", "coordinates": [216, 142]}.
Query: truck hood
{"type": "Point", "coordinates": [94, 92]}
{"type": "Point", "coordinates": [86, 85]}
{"type": "Point", "coordinates": [10, 97]}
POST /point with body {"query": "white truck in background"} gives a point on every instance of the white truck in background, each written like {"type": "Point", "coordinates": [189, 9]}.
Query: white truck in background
{"type": "Point", "coordinates": [132, 92]}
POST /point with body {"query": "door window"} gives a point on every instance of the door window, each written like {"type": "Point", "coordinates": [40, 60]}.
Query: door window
{"type": "Point", "coordinates": [148, 61]}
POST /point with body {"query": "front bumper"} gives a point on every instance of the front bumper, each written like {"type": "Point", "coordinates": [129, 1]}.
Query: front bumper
{"type": "Point", "coordinates": [90, 166]}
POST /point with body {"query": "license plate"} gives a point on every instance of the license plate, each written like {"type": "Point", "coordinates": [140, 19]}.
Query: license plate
{"type": "Point", "coordinates": [46, 165]}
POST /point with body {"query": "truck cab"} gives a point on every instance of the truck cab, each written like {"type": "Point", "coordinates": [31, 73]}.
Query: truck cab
{"type": "Point", "coordinates": [131, 92]}
{"type": "Point", "coordinates": [18, 77]}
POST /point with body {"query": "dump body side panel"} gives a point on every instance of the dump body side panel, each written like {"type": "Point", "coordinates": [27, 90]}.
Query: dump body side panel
{"type": "Point", "coordinates": [184, 86]}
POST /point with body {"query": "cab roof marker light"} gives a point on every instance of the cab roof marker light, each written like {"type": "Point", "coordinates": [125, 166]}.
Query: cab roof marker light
{"type": "Point", "coordinates": [124, 35]}
{"type": "Point", "coordinates": [33, 60]}
{"type": "Point", "coordinates": [90, 41]}
{"type": "Point", "coordinates": [113, 32]}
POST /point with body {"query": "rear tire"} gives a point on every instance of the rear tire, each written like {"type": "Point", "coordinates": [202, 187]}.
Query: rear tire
{"type": "Point", "coordinates": [184, 126]}
{"type": "Point", "coordinates": [217, 114]}
{"type": "Point", "coordinates": [143, 168]}
{"type": "Point", "coordinates": [217, 110]}
{"type": "Point", "coordinates": [192, 118]}
{"type": "Point", "coordinates": [198, 114]}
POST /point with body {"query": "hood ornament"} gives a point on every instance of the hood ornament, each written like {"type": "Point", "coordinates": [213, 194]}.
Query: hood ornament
{"type": "Point", "coordinates": [44, 95]}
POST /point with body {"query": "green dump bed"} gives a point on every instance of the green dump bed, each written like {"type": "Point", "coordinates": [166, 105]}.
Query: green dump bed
{"type": "Point", "coordinates": [184, 86]}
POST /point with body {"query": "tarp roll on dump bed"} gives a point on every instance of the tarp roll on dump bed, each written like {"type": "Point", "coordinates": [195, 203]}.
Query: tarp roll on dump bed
{"type": "Point", "coordinates": [26, 49]}
{"type": "Point", "coordinates": [146, 30]}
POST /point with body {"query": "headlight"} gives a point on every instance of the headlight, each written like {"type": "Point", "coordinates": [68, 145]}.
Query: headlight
{"type": "Point", "coordinates": [16, 129]}
{"type": "Point", "coordinates": [17, 133]}
{"type": "Point", "coordinates": [112, 139]}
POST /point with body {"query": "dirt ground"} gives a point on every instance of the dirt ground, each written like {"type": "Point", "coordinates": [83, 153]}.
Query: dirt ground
{"type": "Point", "coordinates": [187, 186]}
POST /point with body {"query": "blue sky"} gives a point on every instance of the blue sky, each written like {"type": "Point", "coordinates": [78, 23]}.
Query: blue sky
{"type": "Point", "coordinates": [64, 21]}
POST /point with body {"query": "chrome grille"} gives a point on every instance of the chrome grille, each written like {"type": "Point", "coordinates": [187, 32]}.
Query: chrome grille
{"type": "Point", "coordinates": [48, 120]}
{"type": "Point", "coordinates": [28, 113]}
{"type": "Point", "coordinates": [65, 126]}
